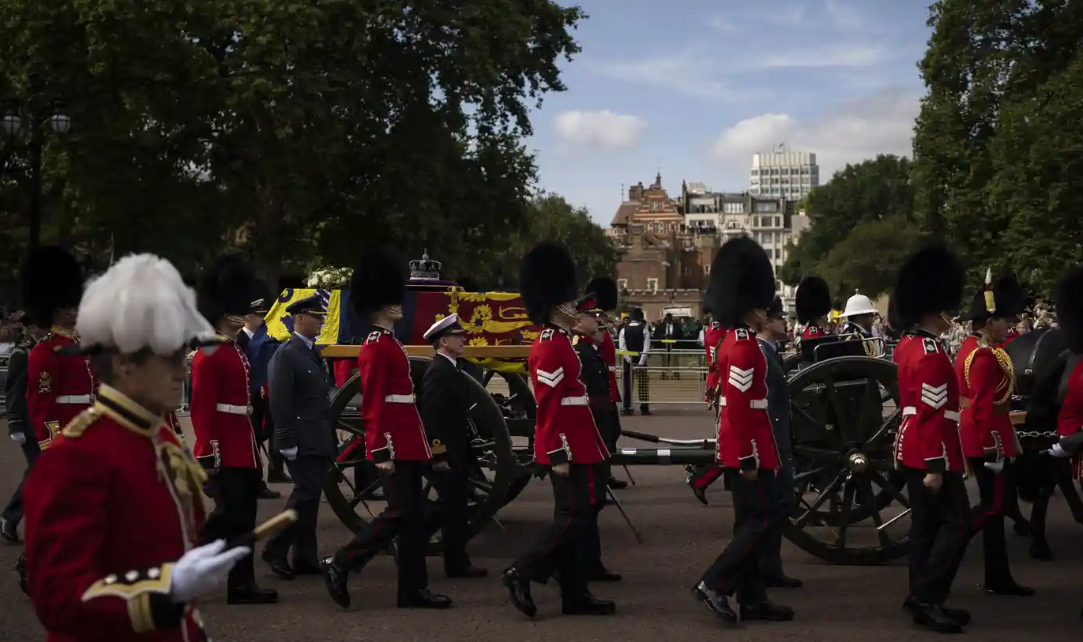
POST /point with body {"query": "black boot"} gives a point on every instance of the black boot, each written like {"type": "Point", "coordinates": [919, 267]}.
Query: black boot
{"type": "Point", "coordinates": [586, 604]}
{"type": "Point", "coordinates": [423, 599]}
{"type": "Point", "coordinates": [519, 591]}
{"type": "Point", "coordinates": [250, 594]}
{"type": "Point", "coordinates": [934, 618]}
{"type": "Point", "coordinates": [715, 603]}
{"type": "Point", "coordinates": [335, 579]}
{"type": "Point", "coordinates": [961, 616]}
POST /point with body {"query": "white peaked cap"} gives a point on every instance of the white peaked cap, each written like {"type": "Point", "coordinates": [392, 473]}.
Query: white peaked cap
{"type": "Point", "coordinates": [140, 302]}
{"type": "Point", "coordinates": [442, 326]}
{"type": "Point", "coordinates": [858, 304]}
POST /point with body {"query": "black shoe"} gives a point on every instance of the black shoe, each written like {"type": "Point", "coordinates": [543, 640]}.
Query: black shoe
{"type": "Point", "coordinates": [627, 412]}
{"type": "Point", "coordinates": [646, 412]}
{"type": "Point", "coordinates": [1039, 550]}
{"type": "Point", "coordinates": [278, 477]}
{"type": "Point", "coordinates": [617, 484]}
{"type": "Point", "coordinates": [783, 581]}
{"type": "Point", "coordinates": [279, 565]}
{"type": "Point", "coordinates": [267, 493]}
{"type": "Point", "coordinates": [766, 611]}
{"type": "Point", "coordinates": [961, 616]}
{"type": "Point", "coordinates": [1022, 527]}
{"type": "Point", "coordinates": [251, 594]}
{"type": "Point", "coordinates": [20, 568]}
{"type": "Point", "coordinates": [935, 619]}
{"type": "Point", "coordinates": [423, 599]}
{"type": "Point", "coordinates": [700, 493]}
{"type": "Point", "coordinates": [335, 580]}
{"type": "Point", "coordinates": [587, 604]}
{"type": "Point", "coordinates": [519, 591]}
{"type": "Point", "coordinates": [715, 603]}
{"type": "Point", "coordinates": [467, 572]}
{"type": "Point", "coordinates": [603, 575]}
{"type": "Point", "coordinates": [9, 531]}
{"type": "Point", "coordinates": [1009, 587]}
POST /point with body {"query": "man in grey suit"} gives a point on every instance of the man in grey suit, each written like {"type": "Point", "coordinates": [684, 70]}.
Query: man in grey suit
{"type": "Point", "coordinates": [304, 434]}
{"type": "Point", "coordinates": [778, 407]}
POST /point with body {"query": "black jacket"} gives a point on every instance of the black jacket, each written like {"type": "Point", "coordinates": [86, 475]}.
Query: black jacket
{"type": "Point", "coordinates": [300, 401]}
{"type": "Point", "coordinates": [445, 410]}
{"type": "Point", "coordinates": [778, 400]}
{"type": "Point", "coordinates": [15, 391]}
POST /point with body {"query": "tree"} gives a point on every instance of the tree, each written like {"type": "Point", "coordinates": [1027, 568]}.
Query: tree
{"type": "Point", "coordinates": [869, 258]}
{"type": "Point", "coordinates": [870, 191]}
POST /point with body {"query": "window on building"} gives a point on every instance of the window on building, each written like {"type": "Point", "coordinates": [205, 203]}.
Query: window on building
{"type": "Point", "coordinates": [652, 285]}
{"type": "Point", "coordinates": [622, 284]}
{"type": "Point", "coordinates": [778, 254]}
{"type": "Point", "coordinates": [778, 221]}
{"type": "Point", "coordinates": [707, 269]}
{"type": "Point", "coordinates": [656, 206]}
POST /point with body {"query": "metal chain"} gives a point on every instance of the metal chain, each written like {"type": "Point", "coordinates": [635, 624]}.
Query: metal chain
{"type": "Point", "coordinates": [1035, 434]}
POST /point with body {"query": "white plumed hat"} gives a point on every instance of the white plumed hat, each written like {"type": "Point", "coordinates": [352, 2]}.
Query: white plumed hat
{"type": "Point", "coordinates": [140, 302]}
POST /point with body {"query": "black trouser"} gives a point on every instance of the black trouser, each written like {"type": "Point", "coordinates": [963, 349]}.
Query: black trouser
{"type": "Point", "coordinates": [629, 374]}
{"type": "Point", "coordinates": [308, 475]}
{"type": "Point", "coordinates": [757, 505]}
{"type": "Point", "coordinates": [404, 518]}
{"type": "Point", "coordinates": [561, 546]}
{"type": "Point", "coordinates": [940, 527]}
{"type": "Point", "coordinates": [265, 432]}
{"type": "Point", "coordinates": [14, 511]}
{"type": "Point", "coordinates": [771, 554]}
{"type": "Point", "coordinates": [449, 514]}
{"type": "Point", "coordinates": [235, 493]}
{"type": "Point", "coordinates": [995, 489]}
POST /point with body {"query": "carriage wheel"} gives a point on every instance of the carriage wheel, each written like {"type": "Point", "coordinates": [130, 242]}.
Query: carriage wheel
{"type": "Point", "coordinates": [790, 362]}
{"type": "Point", "coordinates": [851, 505]}
{"type": "Point", "coordinates": [353, 488]}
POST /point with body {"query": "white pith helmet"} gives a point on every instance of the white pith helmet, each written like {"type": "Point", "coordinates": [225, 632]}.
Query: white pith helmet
{"type": "Point", "coordinates": [857, 305]}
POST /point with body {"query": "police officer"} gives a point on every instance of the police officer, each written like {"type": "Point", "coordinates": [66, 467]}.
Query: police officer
{"type": "Point", "coordinates": [222, 420]}
{"type": "Point", "coordinates": [395, 440]}
{"type": "Point", "coordinates": [742, 289]}
{"type": "Point", "coordinates": [19, 423]}
{"type": "Point", "coordinates": [445, 410]}
{"type": "Point", "coordinates": [927, 448]}
{"type": "Point", "coordinates": [305, 436]}
{"type": "Point", "coordinates": [567, 442]}
{"type": "Point", "coordinates": [636, 337]}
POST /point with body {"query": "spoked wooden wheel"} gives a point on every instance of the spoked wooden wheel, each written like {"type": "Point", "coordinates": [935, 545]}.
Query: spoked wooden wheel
{"type": "Point", "coordinates": [353, 488]}
{"type": "Point", "coordinates": [851, 505]}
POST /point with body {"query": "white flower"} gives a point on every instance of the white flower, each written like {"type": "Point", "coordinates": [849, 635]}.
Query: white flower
{"type": "Point", "coordinates": [329, 278]}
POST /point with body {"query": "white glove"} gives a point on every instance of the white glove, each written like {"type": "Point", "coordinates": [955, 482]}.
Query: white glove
{"type": "Point", "coordinates": [201, 569]}
{"type": "Point", "coordinates": [18, 437]}
{"type": "Point", "coordinates": [289, 453]}
{"type": "Point", "coordinates": [995, 466]}
{"type": "Point", "coordinates": [1057, 451]}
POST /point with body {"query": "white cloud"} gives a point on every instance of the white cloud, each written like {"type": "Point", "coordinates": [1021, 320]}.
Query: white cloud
{"type": "Point", "coordinates": [603, 129]}
{"type": "Point", "coordinates": [844, 17]}
{"type": "Point", "coordinates": [690, 72]}
{"type": "Point", "coordinates": [882, 123]}
{"type": "Point", "coordinates": [834, 56]}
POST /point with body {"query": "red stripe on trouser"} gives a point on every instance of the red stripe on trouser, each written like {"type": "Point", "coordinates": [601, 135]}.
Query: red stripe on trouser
{"type": "Point", "coordinates": [345, 454]}
{"type": "Point", "coordinates": [707, 478]}
{"type": "Point", "coordinates": [755, 540]}
{"type": "Point", "coordinates": [994, 506]}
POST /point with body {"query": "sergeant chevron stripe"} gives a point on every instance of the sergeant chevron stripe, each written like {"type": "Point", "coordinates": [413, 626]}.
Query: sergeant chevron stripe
{"type": "Point", "coordinates": [741, 379]}
{"type": "Point", "coordinates": [551, 379]}
{"type": "Point", "coordinates": [934, 396]}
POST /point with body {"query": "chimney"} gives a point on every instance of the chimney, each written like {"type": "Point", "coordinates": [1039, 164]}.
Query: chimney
{"type": "Point", "coordinates": [635, 192]}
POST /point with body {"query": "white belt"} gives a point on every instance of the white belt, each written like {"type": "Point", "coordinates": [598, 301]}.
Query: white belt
{"type": "Point", "coordinates": [77, 400]}
{"type": "Point", "coordinates": [575, 401]}
{"type": "Point", "coordinates": [755, 404]}
{"type": "Point", "coordinates": [399, 399]}
{"type": "Point", "coordinates": [231, 409]}
{"type": "Point", "coordinates": [952, 415]}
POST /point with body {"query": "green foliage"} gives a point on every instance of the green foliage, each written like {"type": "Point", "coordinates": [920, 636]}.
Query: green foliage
{"type": "Point", "coordinates": [869, 257]}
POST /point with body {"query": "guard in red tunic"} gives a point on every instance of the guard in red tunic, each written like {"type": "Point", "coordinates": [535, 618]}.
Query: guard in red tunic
{"type": "Point", "coordinates": [927, 448]}
{"type": "Point", "coordinates": [59, 385]}
{"type": "Point", "coordinates": [742, 289]}
{"type": "Point", "coordinates": [813, 303]}
{"type": "Point", "coordinates": [566, 441]}
{"type": "Point", "coordinates": [221, 418]}
{"type": "Point", "coordinates": [113, 507]}
{"type": "Point", "coordinates": [1070, 417]}
{"type": "Point", "coordinates": [712, 338]}
{"type": "Point", "coordinates": [986, 381]}
{"type": "Point", "coordinates": [604, 290]}
{"type": "Point", "coordinates": [395, 439]}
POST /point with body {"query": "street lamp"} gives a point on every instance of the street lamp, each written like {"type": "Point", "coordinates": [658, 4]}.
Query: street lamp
{"type": "Point", "coordinates": [34, 114]}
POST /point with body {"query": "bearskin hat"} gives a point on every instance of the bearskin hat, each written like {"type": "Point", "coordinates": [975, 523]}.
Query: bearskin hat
{"type": "Point", "coordinates": [813, 299]}
{"type": "Point", "coordinates": [742, 280]}
{"type": "Point", "coordinates": [546, 279]}
{"type": "Point", "coordinates": [378, 280]}
{"type": "Point", "coordinates": [1008, 295]}
{"type": "Point", "coordinates": [1070, 307]}
{"type": "Point", "coordinates": [605, 289]}
{"type": "Point", "coordinates": [227, 288]}
{"type": "Point", "coordinates": [51, 281]}
{"type": "Point", "coordinates": [929, 282]}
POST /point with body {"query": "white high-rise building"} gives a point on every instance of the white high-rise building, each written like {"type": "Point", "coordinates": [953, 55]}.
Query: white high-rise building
{"type": "Point", "coordinates": [784, 174]}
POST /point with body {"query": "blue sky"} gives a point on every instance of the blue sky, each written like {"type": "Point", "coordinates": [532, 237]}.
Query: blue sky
{"type": "Point", "coordinates": [692, 88]}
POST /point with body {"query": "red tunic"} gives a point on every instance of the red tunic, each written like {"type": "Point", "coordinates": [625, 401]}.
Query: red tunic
{"type": "Point", "coordinates": [343, 370]}
{"type": "Point", "coordinates": [220, 410]}
{"type": "Point", "coordinates": [1070, 418]}
{"type": "Point", "coordinates": [110, 507]}
{"type": "Point", "coordinates": [393, 428]}
{"type": "Point", "coordinates": [928, 438]}
{"type": "Point", "coordinates": [1013, 334]}
{"type": "Point", "coordinates": [608, 350]}
{"type": "Point", "coordinates": [712, 337]}
{"type": "Point", "coordinates": [745, 439]}
{"type": "Point", "coordinates": [565, 430]}
{"type": "Point", "coordinates": [813, 332]}
{"type": "Point", "coordinates": [59, 386]}
{"type": "Point", "coordinates": [982, 383]}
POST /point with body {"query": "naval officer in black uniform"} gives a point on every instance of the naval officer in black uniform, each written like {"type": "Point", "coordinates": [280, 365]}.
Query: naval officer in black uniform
{"type": "Point", "coordinates": [445, 411]}
{"type": "Point", "coordinates": [304, 435]}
